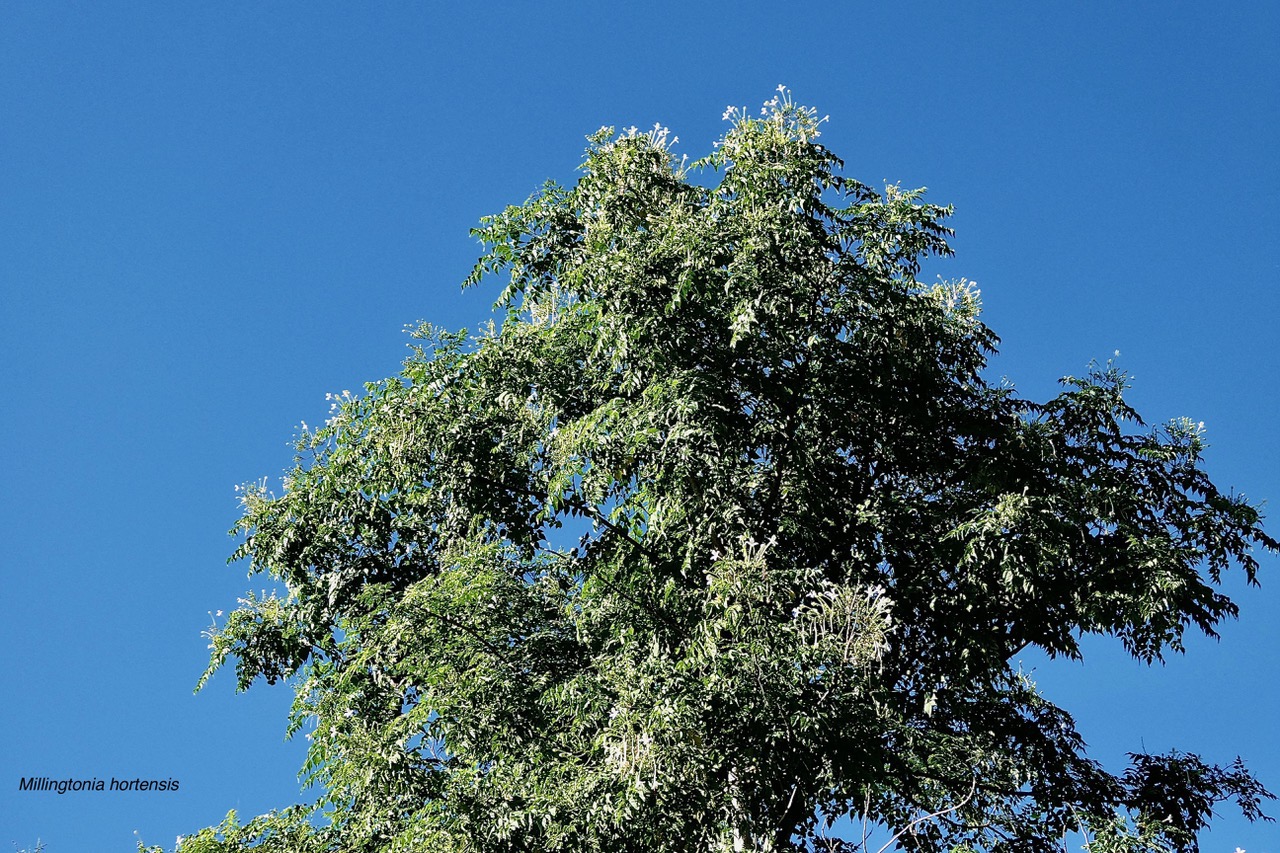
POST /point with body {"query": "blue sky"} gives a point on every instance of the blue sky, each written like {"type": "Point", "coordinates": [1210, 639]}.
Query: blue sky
{"type": "Point", "coordinates": [213, 214]}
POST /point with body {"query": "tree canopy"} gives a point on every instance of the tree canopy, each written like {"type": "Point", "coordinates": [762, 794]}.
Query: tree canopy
{"type": "Point", "coordinates": [721, 535]}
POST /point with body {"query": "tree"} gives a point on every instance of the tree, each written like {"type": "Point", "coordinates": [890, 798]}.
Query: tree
{"type": "Point", "coordinates": [721, 535]}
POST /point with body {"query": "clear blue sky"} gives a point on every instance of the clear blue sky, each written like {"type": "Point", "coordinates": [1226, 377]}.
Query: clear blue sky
{"type": "Point", "coordinates": [213, 214]}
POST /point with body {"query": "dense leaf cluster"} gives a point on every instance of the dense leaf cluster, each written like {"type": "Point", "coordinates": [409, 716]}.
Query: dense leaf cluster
{"type": "Point", "coordinates": [723, 535]}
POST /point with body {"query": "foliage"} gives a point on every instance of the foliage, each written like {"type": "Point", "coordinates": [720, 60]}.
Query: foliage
{"type": "Point", "coordinates": [720, 536]}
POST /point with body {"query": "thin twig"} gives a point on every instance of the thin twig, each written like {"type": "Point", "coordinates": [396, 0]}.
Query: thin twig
{"type": "Point", "coordinates": [938, 813]}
